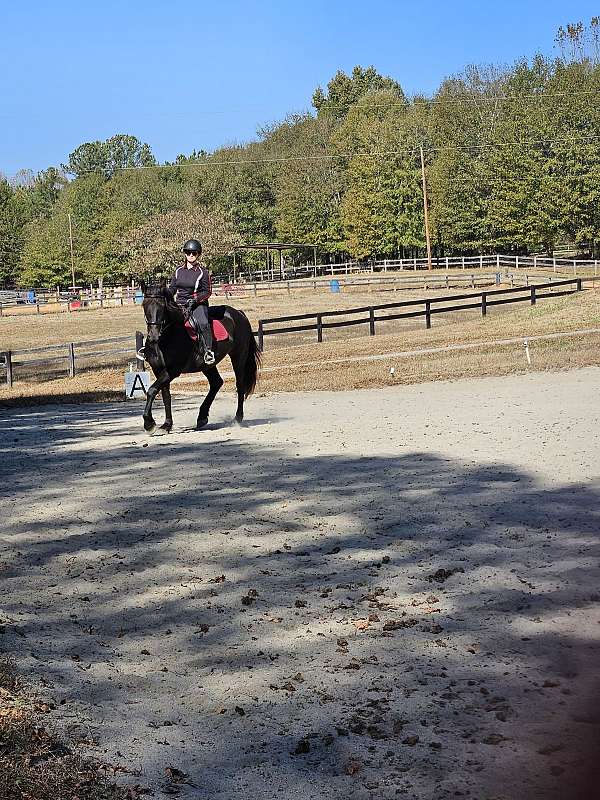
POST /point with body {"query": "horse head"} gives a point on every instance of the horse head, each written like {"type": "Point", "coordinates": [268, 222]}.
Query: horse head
{"type": "Point", "coordinates": [155, 304]}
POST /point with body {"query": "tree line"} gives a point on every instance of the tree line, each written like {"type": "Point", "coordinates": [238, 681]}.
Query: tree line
{"type": "Point", "coordinates": [512, 162]}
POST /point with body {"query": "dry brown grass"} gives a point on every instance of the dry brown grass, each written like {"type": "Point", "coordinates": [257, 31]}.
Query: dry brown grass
{"type": "Point", "coordinates": [34, 763]}
{"type": "Point", "coordinates": [20, 332]}
{"type": "Point", "coordinates": [310, 367]}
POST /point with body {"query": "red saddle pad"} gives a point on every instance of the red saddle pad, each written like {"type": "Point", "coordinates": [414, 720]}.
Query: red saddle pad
{"type": "Point", "coordinates": [219, 330]}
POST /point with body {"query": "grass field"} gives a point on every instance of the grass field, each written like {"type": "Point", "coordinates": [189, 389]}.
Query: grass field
{"type": "Point", "coordinates": [305, 366]}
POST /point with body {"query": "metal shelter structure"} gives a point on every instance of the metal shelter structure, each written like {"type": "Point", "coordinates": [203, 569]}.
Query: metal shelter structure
{"type": "Point", "coordinates": [271, 247]}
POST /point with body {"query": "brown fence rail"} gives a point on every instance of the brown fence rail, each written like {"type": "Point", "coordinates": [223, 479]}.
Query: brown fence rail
{"type": "Point", "coordinates": [68, 357]}
{"type": "Point", "coordinates": [367, 315]}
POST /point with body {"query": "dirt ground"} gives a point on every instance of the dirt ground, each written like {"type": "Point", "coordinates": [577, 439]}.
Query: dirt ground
{"type": "Point", "coordinates": [368, 594]}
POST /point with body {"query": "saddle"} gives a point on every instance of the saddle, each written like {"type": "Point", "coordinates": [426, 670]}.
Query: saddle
{"type": "Point", "coordinates": [219, 331]}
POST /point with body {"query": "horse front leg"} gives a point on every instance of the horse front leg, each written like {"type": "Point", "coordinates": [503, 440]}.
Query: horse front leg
{"type": "Point", "coordinates": [166, 396]}
{"type": "Point", "coordinates": [161, 381]}
{"type": "Point", "coordinates": [215, 381]}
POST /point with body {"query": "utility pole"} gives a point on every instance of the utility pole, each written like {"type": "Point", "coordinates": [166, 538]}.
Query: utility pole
{"type": "Point", "coordinates": [426, 211]}
{"type": "Point", "coordinates": [72, 256]}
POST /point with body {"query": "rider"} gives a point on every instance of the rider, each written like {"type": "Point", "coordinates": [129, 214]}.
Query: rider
{"type": "Point", "coordinates": [191, 287]}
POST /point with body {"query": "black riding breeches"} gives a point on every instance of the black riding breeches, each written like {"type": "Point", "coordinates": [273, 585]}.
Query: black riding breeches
{"type": "Point", "coordinates": [202, 323]}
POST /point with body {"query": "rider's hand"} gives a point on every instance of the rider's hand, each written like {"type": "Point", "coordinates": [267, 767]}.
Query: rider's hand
{"type": "Point", "coordinates": [190, 305]}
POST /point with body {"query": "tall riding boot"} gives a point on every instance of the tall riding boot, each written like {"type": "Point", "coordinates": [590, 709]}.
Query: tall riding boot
{"type": "Point", "coordinates": [209, 356]}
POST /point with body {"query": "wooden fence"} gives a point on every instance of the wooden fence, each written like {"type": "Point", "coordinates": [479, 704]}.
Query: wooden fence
{"type": "Point", "coordinates": [69, 358]}
{"type": "Point", "coordinates": [367, 315]}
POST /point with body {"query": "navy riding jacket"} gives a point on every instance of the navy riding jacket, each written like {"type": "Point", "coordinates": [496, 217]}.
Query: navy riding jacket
{"type": "Point", "coordinates": [191, 284]}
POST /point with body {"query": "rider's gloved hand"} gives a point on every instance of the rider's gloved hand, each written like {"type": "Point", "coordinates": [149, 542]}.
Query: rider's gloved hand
{"type": "Point", "coordinates": [190, 305]}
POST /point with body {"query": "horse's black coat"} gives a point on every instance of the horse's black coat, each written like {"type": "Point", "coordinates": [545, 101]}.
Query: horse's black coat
{"type": "Point", "coordinates": [170, 352]}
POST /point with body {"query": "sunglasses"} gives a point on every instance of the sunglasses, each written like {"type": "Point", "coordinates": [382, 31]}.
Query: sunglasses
{"type": "Point", "coordinates": [191, 252]}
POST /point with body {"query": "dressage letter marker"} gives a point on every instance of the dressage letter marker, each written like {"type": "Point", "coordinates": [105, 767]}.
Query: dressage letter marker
{"type": "Point", "coordinates": [136, 384]}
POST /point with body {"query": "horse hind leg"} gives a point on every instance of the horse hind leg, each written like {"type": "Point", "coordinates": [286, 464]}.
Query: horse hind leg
{"type": "Point", "coordinates": [215, 381]}
{"type": "Point", "coordinates": [238, 368]}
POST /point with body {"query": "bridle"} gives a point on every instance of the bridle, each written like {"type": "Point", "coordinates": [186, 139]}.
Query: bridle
{"type": "Point", "coordinates": [161, 324]}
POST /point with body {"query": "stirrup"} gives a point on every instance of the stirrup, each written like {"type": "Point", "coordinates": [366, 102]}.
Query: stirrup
{"type": "Point", "coordinates": [209, 358]}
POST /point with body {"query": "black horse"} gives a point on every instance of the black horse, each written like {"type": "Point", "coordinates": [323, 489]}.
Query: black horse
{"type": "Point", "coordinates": [170, 352]}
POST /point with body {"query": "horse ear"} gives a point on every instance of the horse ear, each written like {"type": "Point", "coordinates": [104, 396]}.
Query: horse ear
{"type": "Point", "coordinates": [143, 286]}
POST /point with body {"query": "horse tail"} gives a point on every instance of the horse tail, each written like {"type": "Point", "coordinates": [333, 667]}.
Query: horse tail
{"type": "Point", "coordinates": [251, 366]}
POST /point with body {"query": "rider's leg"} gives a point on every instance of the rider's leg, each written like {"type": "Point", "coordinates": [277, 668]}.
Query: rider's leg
{"type": "Point", "coordinates": [202, 322]}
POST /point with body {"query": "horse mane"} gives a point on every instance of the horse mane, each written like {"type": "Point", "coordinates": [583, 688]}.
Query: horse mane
{"type": "Point", "coordinates": [172, 308]}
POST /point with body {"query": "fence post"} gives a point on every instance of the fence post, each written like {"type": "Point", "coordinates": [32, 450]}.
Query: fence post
{"type": "Point", "coordinates": [554, 263]}
{"type": "Point", "coordinates": [319, 328]}
{"type": "Point", "coordinates": [139, 343]}
{"type": "Point", "coordinates": [483, 304]}
{"type": "Point", "coordinates": [261, 336]}
{"type": "Point", "coordinates": [517, 262]}
{"type": "Point", "coordinates": [9, 367]}
{"type": "Point", "coordinates": [533, 295]}
{"type": "Point", "coordinates": [71, 354]}
{"type": "Point", "coordinates": [472, 281]}
{"type": "Point", "coordinates": [371, 321]}
{"type": "Point", "coordinates": [574, 267]}
{"type": "Point", "coordinates": [428, 313]}
{"type": "Point", "coordinates": [498, 262]}
{"type": "Point", "coordinates": [0, 309]}
{"type": "Point", "coordinates": [463, 262]}
{"type": "Point", "coordinates": [578, 284]}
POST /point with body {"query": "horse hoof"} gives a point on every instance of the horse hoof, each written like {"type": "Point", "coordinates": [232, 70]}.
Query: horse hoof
{"type": "Point", "coordinates": [239, 420]}
{"type": "Point", "coordinates": [166, 426]}
{"type": "Point", "coordinates": [149, 426]}
{"type": "Point", "coordinates": [201, 423]}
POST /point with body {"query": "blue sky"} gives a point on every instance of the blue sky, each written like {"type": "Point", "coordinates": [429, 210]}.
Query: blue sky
{"type": "Point", "coordinates": [186, 75]}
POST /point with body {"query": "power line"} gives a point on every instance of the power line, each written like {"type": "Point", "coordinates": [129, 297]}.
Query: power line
{"type": "Point", "coordinates": [459, 100]}
{"type": "Point", "coordinates": [339, 156]}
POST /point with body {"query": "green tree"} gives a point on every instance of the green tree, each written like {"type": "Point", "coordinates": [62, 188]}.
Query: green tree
{"type": "Point", "coordinates": [381, 210]}
{"type": "Point", "coordinates": [343, 91]}
{"type": "Point", "coordinates": [117, 153]}
{"type": "Point", "coordinates": [46, 258]}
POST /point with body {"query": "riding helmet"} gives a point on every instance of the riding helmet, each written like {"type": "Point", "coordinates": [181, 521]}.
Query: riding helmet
{"type": "Point", "coordinates": [192, 245]}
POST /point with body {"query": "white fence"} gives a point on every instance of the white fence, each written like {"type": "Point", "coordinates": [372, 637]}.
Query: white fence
{"type": "Point", "coordinates": [497, 262]}
{"type": "Point", "coordinates": [126, 295]}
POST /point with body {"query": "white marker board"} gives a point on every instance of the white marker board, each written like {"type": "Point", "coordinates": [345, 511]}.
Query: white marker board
{"type": "Point", "coordinates": [136, 384]}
